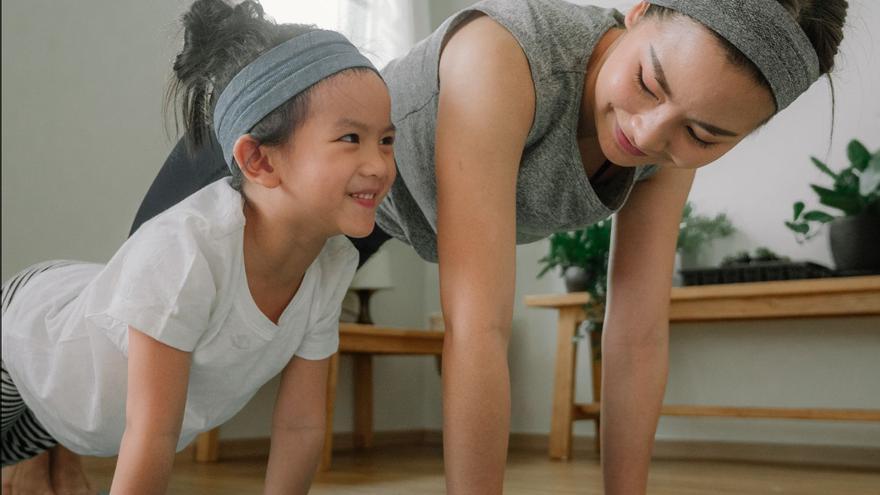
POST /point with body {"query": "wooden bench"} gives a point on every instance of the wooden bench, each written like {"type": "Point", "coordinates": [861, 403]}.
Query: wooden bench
{"type": "Point", "coordinates": [362, 342]}
{"type": "Point", "coordinates": [830, 297]}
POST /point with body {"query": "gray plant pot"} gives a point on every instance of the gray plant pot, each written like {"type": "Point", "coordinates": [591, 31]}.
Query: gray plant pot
{"type": "Point", "coordinates": [576, 279]}
{"type": "Point", "coordinates": [855, 242]}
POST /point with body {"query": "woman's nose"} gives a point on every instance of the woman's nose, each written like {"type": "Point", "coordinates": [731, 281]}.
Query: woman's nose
{"type": "Point", "coordinates": [650, 131]}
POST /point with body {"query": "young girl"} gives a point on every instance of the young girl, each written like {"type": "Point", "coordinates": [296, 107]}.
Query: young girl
{"type": "Point", "coordinates": [209, 300]}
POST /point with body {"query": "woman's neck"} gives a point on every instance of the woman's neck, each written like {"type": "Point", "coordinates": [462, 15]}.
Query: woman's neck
{"type": "Point", "coordinates": [588, 140]}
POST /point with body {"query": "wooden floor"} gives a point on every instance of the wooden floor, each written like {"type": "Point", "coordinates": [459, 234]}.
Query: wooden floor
{"type": "Point", "coordinates": [419, 470]}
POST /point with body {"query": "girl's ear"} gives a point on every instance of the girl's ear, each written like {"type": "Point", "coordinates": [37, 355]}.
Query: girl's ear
{"type": "Point", "coordinates": [635, 14]}
{"type": "Point", "coordinates": [253, 161]}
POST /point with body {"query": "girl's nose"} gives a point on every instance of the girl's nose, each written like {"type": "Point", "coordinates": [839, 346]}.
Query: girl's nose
{"type": "Point", "coordinates": [378, 163]}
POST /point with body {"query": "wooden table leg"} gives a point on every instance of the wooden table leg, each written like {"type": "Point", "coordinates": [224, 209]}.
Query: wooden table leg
{"type": "Point", "coordinates": [363, 401]}
{"type": "Point", "coordinates": [207, 446]}
{"type": "Point", "coordinates": [332, 376]}
{"type": "Point", "coordinates": [596, 359]}
{"type": "Point", "coordinates": [564, 383]}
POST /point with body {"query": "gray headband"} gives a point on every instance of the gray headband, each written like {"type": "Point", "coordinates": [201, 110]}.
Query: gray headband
{"type": "Point", "coordinates": [766, 34]}
{"type": "Point", "coordinates": [276, 76]}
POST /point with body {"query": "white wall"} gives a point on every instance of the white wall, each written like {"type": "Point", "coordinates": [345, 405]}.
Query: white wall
{"type": "Point", "coordinates": [82, 138]}
{"type": "Point", "coordinates": [82, 127]}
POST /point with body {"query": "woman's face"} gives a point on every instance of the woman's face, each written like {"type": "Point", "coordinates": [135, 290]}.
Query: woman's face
{"type": "Point", "coordinates": [666, 94]}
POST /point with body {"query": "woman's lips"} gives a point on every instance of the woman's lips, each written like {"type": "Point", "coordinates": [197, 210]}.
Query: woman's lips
{"type": "Point", "coordinates": [625, 143]}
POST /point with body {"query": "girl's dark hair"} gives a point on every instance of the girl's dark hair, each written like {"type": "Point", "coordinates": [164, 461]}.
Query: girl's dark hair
{"type": "Point", "coordinates": [821, 20]}
{"type": "Point", "coordinates": [220, 40]}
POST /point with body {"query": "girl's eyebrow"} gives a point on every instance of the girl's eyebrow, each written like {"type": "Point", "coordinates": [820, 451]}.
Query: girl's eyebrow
{"type": "Point", "coordinates": [361, 126]}
{"type": "Point", "coordinates": [660, 77]}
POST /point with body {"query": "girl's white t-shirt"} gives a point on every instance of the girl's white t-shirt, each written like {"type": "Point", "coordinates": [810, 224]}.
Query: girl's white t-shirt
{"type": "Point", "coordinates": [180, 279]}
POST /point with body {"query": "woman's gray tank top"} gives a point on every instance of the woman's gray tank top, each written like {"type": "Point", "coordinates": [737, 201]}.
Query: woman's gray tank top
{"type": "Point", "coordinates": [553, 191]}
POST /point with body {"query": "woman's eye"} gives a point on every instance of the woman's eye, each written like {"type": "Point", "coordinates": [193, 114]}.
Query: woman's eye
{"type": "Point", "coordinates": [387, 141]}
{"type": "Point", "coordinates": [700, 142]}
{"type": "Point", "coordinates": [640, 79]}
{"type": "Point", "coordinates": [350, 138]}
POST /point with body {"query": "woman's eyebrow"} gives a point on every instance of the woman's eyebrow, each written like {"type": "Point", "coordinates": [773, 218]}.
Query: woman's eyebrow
{"type": "Point", "coordinates": [660, 76]}
{"type": "Point", "coordinates": [715, 129]}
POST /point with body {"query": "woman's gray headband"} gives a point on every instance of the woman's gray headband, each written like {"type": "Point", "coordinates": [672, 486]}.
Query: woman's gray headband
{"type": "Point", "coordinates": [766, 34]}
{"type": "Point", "coordinates": [276, 76]}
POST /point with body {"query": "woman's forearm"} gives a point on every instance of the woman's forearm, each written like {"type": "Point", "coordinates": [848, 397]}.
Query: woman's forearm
{"type": "Point", "coordinates": [476, 410]}
{"type": "Point", "coordinates": [144, 463]}
{"type": "Point", "coordinates": [633, 382]}
{"type": "Point", "coordinates": [293, 459]}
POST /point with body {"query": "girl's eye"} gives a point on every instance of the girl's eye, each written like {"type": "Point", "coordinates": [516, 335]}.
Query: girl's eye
{"type": "Point", "coordinates": [640, 79]}
{"type": "Point", "coordinates": [700, 142]}
{"type": "Point", "coordinates": [387, 141]}
{"type": "Point", "coordinates": [351, 138]}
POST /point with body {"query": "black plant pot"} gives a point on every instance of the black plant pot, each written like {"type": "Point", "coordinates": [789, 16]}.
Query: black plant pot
{"type": "Point", "coordinates": [855, 242]}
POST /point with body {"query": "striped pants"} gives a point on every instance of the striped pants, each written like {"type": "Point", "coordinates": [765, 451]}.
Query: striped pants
{"type": "Point", "coordinates": [23, 436]}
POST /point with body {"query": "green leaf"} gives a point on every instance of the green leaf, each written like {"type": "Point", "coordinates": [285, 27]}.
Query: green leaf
{"type": "Point", "coordinates": [824, 168]}
{"type": "Point", "coordinates": [818, 216]}
{"type": "Point", "coordinates": [869, 182]}
{"type": "Point", "coordinates": [798, 208]}
{"type": "Point", "coordinates": [800, 228]}
{"type": "Point", "coordinates": [858, 154]}
{"type": "Point", "coordinates": [844, 202]}
{"type": "Point", "coordinates": [847, 182]}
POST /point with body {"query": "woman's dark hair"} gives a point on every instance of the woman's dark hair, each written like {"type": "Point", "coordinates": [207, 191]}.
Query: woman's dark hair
{"type": "Point", "coordinates": [821, 20]}
{"type": "Point", "coordinates": [220, 40]}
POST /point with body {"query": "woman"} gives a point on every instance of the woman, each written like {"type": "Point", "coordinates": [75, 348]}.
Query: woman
{"type": "Point", "coordinates": [517, 119]}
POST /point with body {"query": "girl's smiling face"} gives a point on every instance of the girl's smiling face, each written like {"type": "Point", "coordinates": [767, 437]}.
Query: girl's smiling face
{"type": "Point", "coordinates": [339, 163]}
{"type": "Point", "coordinates": [667, 94]}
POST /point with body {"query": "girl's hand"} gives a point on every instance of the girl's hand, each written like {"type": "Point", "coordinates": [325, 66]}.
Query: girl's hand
{"type": "Point", "coordinates": [298, 426]}
{"type": "Point", "coordinates": [158, 376]}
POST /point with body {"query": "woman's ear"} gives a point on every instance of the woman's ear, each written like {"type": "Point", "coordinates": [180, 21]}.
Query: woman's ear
{"type": "Point", "coordinates": [253, 161]}
{"type": "Point", "coordinates": [635, 14]}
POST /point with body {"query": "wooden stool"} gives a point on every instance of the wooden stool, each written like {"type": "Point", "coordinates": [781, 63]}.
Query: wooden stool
{"type": "Point", "coordinates": [363, 342]}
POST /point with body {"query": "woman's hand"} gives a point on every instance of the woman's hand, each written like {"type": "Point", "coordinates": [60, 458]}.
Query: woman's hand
{"type": "Point", "coordinates": [298, 426]}
{"type": "Point", "coordinates": [636, 333]}
{"type": "Point", "coordinates": [158, 376]}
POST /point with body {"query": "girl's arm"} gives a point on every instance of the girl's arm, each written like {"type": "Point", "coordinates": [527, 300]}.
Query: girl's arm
{"type": "Point", "coordinates": [485, 112]}
{"type": "Point", "coordinates": [158, 375]}
{"type": "Point", "coordinates": [298, 425]}
{"type": "Point", "coordinates": [636, 333]}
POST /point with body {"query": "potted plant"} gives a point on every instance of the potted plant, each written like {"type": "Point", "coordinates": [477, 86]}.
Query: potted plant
{"type": "Point", "coordinates": [854, 232]}
{"type": "Point", "coordinates": [582, 257]}
{"type": "Point", "coordinates": [696, 230]}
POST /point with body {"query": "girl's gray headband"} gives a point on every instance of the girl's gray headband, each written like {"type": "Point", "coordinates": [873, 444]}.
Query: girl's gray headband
{"type": "Point", "coordinates": [766, 34]}
{"type": "Point", "coordinates": [278, 75]}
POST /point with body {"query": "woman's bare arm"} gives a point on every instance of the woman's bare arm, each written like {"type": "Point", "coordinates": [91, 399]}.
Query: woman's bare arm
{"type": "Point", "coordinates": [636, 334]}
{"type": "Point", "coordinates": [485, 112]}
